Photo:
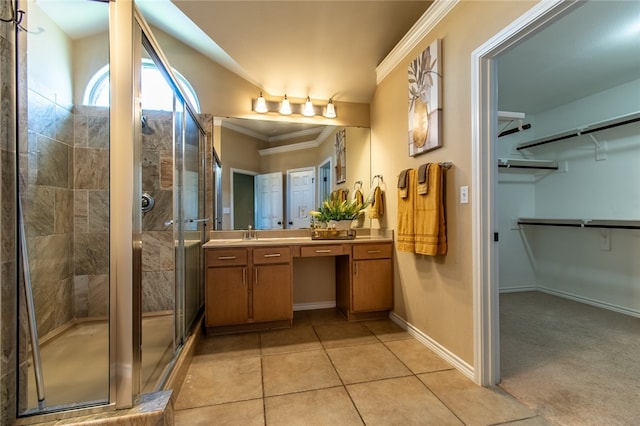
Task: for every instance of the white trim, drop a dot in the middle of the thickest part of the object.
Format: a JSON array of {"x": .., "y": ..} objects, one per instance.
[
  {"x": 429, "y": 19},
  {"x": 518, "y": 289},
  {"x": 484, "y": 118},
  {"x": 589, "y": 301},
  {"x": 288, "y": 148},
  {"x": 440, "y": 350},
  {"x": 314, "y": 305}
]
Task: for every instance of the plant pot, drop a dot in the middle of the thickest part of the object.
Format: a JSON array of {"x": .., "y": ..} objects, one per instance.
[{"x": 340, "y": 224}]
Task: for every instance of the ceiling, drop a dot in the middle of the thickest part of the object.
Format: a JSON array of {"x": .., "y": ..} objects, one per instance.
[{"x": 329, "y": 49}]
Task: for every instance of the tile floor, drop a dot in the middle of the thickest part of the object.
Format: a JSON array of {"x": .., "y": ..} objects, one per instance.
[{"x": 325, "y": 370}]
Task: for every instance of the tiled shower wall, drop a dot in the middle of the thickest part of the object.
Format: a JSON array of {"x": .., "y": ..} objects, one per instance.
[{"x": 8, "y": 265}]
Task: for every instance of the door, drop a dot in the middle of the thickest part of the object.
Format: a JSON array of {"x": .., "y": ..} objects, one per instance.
[
  {"x": 268, "y": 195},
  {"x": 300, "y": 197},
  {"x": 243, "y": 200}
]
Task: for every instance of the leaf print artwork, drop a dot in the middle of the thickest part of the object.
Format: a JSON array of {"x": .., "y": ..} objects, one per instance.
[{"x": 425, "y": 112}]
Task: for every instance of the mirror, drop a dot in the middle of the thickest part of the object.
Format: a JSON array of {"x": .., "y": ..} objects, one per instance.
[{"x": 274, "y": 173}]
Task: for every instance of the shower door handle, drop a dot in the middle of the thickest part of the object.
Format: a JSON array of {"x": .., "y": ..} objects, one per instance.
[{"x": 206, "y": 219}]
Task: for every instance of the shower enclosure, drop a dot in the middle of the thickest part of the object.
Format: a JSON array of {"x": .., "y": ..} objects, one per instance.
[{"x": 109, "y": 222}]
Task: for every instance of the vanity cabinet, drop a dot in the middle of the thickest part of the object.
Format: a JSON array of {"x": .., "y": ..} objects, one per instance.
[
  {"x": 248, "y": 285},
  {"x": 272, "y": 284},
  {"x": 369, "y": 291}
]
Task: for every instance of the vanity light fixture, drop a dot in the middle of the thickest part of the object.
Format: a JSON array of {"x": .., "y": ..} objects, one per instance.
[
  {"x": 330, "y": 112},
  {"x": 285, "y": 106},
  {"x": 308, "y": 108},
  {"x": 261, "y": 104}
]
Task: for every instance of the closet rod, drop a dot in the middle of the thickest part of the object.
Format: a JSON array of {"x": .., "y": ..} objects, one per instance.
[
  {"x": 582, "y": 223},
  {"x": 586, "y": 131},
  {"x": 514, "y": 130}
]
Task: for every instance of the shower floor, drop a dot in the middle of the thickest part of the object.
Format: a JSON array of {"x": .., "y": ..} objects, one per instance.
[{"x": 75, "y": 364}]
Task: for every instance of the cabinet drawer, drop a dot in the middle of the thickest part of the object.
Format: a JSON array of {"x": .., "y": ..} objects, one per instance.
[
  {"x": 372, "y": 251},
  {"x": 321, "y": 250},
  {"x": 226, "y": 257},
  {"x": 264, "y": 255}
]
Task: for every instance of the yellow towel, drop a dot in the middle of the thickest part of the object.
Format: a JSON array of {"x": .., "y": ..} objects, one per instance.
[
  {"x": 377, "y": 206},
  {"x": 406, "y": 233},
  {"x": 429, "y": 221}
]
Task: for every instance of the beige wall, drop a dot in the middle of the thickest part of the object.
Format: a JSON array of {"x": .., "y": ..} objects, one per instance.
[{"x": 435, "y": 294}]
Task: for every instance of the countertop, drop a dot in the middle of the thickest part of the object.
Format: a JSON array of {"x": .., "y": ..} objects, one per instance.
[{"x": 287, "y": 237}]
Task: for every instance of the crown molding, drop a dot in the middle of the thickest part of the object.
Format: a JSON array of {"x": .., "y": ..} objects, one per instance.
[
  {"x": 431, "y": 17},
  {"x": 288, "y": 148}
]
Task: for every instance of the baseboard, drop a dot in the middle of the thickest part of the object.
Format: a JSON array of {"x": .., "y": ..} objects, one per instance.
[
  {"x": 588, "y": 301},
  {"x": 518, "y": 289},
  {"x": 314, "y": 305},
  {"x": 459, "y": 364}
]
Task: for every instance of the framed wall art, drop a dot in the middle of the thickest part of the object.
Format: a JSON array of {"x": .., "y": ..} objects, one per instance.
[
  {"x": 341, "y": 156},
  {"x": 425, "y": 100}
]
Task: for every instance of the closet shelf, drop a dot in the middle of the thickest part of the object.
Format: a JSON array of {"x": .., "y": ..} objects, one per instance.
[
  {"x": 511, "y": 163},
  {"x": 581, "y": 223},
  {"x": 591, "y": 128}
]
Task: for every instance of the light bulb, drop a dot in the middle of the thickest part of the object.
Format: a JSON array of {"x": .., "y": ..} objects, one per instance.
[
  {"x": 331, "y": 111},
  {"x": 308, "y": 108},
  {"x": 261, "y": 104},
  {"x": 285, "y": 107}
]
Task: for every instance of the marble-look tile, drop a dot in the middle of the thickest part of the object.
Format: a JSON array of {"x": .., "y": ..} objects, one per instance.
[
  {"x": 237, "y": 379},
  {"x": 158, "y": 250},
  {"x": 166, "y": 170},
  {"x": 363, "y": 363},
  {"x": 98, "y": 218},
  {"x": 386, "y": 330},
  {"x": 157, "y": 291},
  {"x": 63, "y": 301},
  {"x": 8, "y": 235},
  {"x": 162, "y": 136},
  {"x": 91, "y": 253},
  {"x": 92, "y": 169},
  {"x": 49, "y": 257},
  {"x": 297, "y": 372},
  {"x": 150, "y": 170},
  {"x": 39, "y": 210},
  {"x": 400, "y": 401},
  {"x": 98, "y": 296},
  {"x": 295, "y": 339},
  {"x": 473, "y": 404},
  {"x": 245, "y": 413},
  {"x": 42, "y": 115},
  {"x": 229, "y": 346},
  {"x": 80, "y": 130},
  {"x": 531, "y": 421},
  {"x": 340, "y": 334},
  {"x": 64, "y": 125},
  {"x": 98, "y": 131},
  {"x": 81, "y": 211},
  {"x": 53, "y": 163},
  {"x": 417, "y": 356},
  {"x": 318, "y": 407},
  {"x": 81, "y": 295},
  {"x": 163, "y": 211},
  {"x": 63, "y": 211}
]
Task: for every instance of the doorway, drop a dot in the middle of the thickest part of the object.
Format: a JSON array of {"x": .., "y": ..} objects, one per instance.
[
  {"x": 492, "y": 216},
  {"x": 242, "y": 189},
  {"x": 301, "y": 196}
]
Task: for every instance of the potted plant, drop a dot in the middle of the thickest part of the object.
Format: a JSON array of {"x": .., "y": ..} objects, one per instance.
[{"x": 338, "y": 214}]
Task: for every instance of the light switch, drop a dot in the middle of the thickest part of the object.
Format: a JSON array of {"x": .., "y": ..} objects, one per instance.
[{"x": 464, "y": 195}]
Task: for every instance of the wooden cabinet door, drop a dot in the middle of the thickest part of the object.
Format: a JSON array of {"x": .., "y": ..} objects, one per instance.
[
  {"x": 227, "y": 296},
  {"x": 372, "y": 285},
  {"x": 272, "y": 294}
]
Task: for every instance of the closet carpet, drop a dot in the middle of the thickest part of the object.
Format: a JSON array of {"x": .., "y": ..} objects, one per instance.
[{"x": 573, "y": 363}]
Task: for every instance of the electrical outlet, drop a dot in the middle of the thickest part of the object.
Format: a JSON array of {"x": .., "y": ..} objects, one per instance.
[
  {"x": 464, "y": 195},
  {"x": 605, "y": 240}
]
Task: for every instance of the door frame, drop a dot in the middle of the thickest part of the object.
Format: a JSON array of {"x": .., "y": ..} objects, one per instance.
[
  {"x": 484, "y": 126},
  {"x": 232, "y": 171}
]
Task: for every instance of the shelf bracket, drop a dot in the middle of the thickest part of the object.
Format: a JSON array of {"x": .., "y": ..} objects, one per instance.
[{"x": 601, "y": 148}]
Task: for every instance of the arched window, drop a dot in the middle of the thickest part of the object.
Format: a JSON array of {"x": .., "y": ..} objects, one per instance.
[{"x": 156, "y": 93}]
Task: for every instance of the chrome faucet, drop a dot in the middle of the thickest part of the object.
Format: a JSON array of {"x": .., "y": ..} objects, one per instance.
[{"x": 249, "y": 234}]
